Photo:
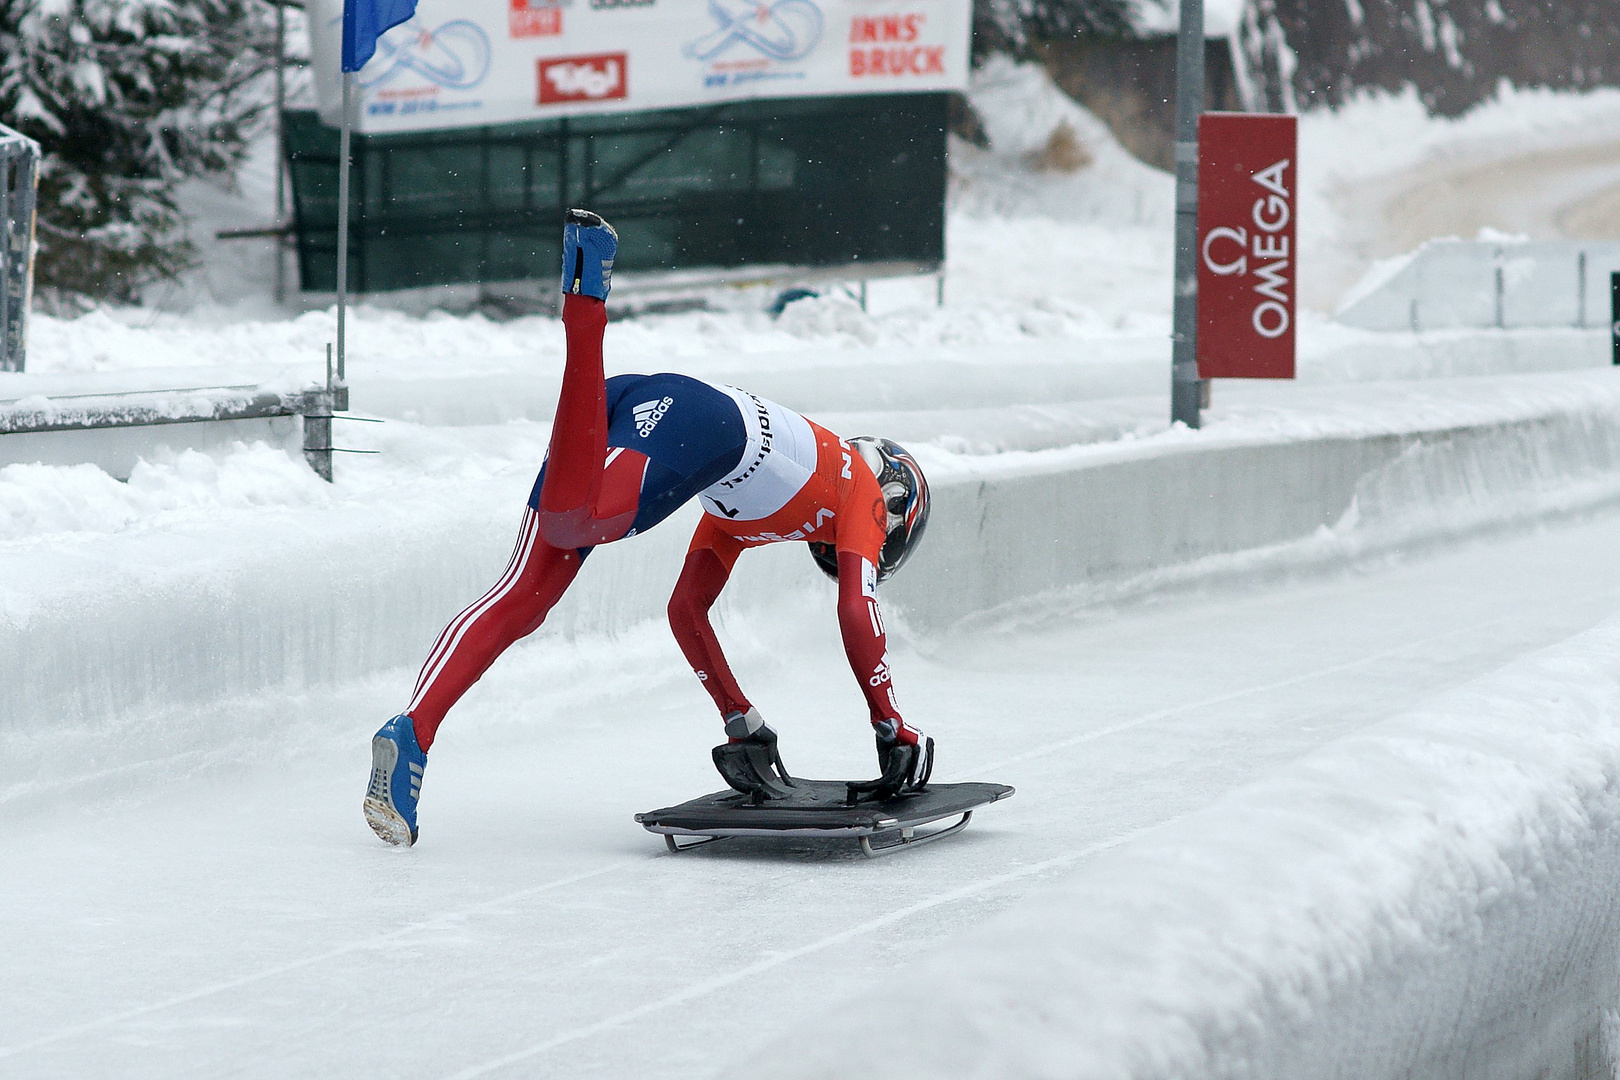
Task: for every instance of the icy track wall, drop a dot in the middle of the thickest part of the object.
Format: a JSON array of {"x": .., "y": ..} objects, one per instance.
[
  {"x": 1118, "y": 519},
  {"x": 112, "y": 652},
  {"x": 1437, "y": 896}
]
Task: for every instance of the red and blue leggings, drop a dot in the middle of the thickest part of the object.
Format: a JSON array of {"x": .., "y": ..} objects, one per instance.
[{"x": 591, "y": 490}]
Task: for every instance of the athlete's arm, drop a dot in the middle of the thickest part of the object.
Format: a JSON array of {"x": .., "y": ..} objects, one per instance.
[
  {"x": 865, "y": 641},
  {"x": 708, "y": 568}
]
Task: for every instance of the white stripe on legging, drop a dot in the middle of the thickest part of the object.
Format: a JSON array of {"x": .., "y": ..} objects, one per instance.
[{"x": 451, "y": 636}]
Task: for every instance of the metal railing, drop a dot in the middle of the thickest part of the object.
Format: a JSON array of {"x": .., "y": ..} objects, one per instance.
[{"x": 316, "y": 406}]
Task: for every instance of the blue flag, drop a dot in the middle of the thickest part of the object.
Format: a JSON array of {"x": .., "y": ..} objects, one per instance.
[{"x": 364, "y": 21}]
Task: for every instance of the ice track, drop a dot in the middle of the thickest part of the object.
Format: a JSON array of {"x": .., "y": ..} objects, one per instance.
[{"x": 242, "y": 921}]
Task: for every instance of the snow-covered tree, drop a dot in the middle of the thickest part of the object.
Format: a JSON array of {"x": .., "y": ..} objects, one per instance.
[
  {"x": 1010, "y": 25},
  {"x": 127, "y": 98}
]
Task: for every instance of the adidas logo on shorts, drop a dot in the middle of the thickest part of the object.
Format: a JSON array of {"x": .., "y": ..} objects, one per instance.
[{"x": 648, "y": 413}]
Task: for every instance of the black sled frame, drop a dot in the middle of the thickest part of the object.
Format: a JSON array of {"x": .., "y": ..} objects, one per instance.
[{"x": 825, "y": 809}]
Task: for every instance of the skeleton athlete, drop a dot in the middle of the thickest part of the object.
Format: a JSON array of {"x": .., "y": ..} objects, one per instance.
[{"x": 625, "y": 453}]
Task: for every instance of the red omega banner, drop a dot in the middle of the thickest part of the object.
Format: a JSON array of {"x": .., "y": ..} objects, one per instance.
[{"x": 1247, "y": 253}]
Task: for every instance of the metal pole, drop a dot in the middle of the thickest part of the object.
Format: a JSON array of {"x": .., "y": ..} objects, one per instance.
[
  {"x": 317, "y": 412},
  {"x": 1185, "y": 390},
  {"x": 19, "y": 168},
  {"x": 281, "y": 137},
  {"x": 1501, "y": 288},
  {"x": 11, "y": 163},
  {"x": 1614, "y": 316},
  {"x": 1580, "y": 291},
  {"x": 343, "y": 220}
]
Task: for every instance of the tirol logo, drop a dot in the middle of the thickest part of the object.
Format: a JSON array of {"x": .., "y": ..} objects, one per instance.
[
  {"x": 648, "y": 413},
  {"x": 603, "y": 77}
]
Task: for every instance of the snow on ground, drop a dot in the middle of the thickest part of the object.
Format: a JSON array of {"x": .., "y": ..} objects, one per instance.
[
  {"x": 206, "y": 917},
  {"x": 1388, "y": 905}
]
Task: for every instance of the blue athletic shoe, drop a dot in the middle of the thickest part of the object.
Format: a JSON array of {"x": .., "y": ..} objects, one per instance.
[
  {"x": 396, "y": 782},
  {"x": 589, "y": 244}
]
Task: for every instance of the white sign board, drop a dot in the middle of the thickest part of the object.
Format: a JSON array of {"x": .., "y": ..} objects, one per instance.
[{"x": 462, "y": 63}]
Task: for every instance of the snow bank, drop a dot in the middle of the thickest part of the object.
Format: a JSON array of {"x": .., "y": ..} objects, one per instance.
[
  {"x": 1482, "y": 283},
  {"x": 1377, "y": 133},
  {"x": 1361, "y": 164},
  {"x": 1438, "y": 896},
  {"x": 126, "y": 647},
  {"x": 1021, "y": 108},
  {"x": 1044, "y": 358},
  {"x": 38, "y": 500},
  {"x": 1033, "y": 368}
]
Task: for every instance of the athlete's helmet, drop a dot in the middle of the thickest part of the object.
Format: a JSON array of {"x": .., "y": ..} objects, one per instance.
[{"x": 905, "y": 497}]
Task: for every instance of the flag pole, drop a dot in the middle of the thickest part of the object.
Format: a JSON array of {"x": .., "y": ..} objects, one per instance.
[
  {"x": 343, "y": 221},
  {"x": 363, "y": 21}
]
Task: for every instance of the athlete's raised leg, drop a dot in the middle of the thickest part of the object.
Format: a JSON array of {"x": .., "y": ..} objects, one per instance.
[{"x": 580, "y": 504}]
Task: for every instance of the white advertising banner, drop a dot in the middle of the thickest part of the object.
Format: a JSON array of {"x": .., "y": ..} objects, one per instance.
[{"x": 462, "y": 63}]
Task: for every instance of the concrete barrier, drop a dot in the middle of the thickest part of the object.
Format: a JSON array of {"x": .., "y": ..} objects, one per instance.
[{"x": 1124, "y": 521}]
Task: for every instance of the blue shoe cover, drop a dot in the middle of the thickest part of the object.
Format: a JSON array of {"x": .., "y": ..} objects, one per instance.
[
  {"x": 589, "y": 245},
  {"x": 396, "y": 782}
]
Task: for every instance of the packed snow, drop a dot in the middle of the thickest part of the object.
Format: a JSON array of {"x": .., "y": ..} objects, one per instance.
[
  {"x": 542, "y": 933},
  {"x": 1263, "y": 779},
  {"x": 1380, "y": 907}
]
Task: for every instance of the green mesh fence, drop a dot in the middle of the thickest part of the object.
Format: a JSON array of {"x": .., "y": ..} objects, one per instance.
[{"x": 813, "y": 182}]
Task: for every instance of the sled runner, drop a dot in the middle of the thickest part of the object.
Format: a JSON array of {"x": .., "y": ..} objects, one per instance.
[{"x": 825, "y": 808}]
